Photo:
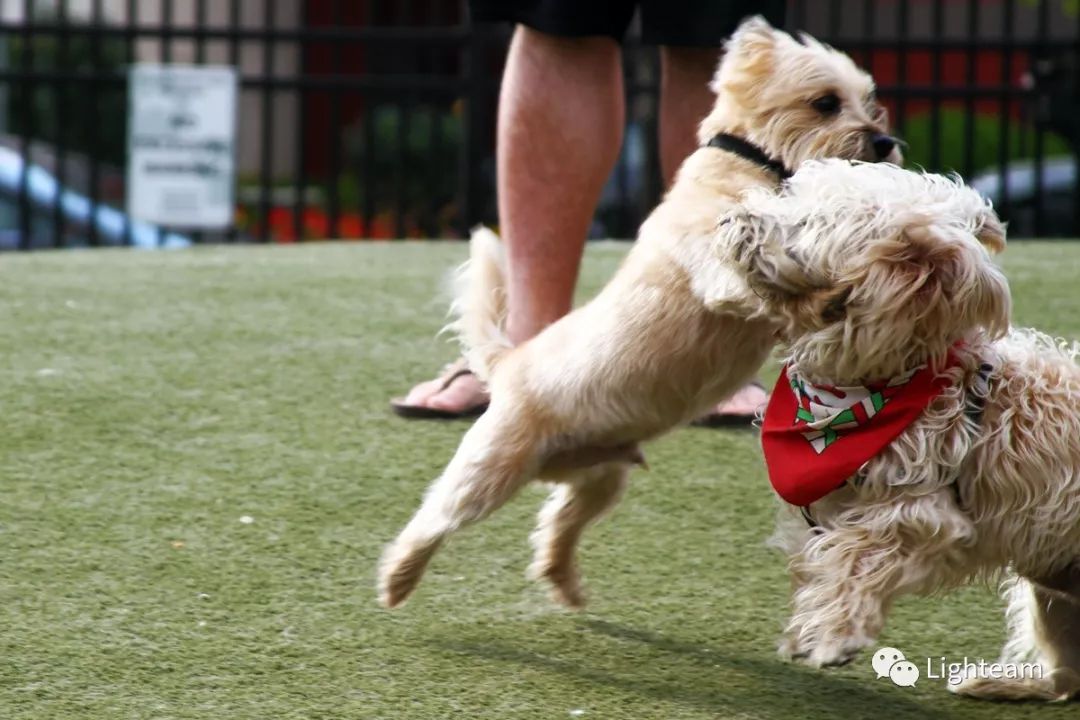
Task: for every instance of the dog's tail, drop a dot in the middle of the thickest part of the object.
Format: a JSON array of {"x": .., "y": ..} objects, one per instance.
[{"x": 479, "y": 306}]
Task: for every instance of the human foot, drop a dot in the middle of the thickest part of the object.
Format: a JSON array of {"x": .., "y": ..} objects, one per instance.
[
  {"x": 456, "y": 393},
  {"x": 741, "y": 409}
]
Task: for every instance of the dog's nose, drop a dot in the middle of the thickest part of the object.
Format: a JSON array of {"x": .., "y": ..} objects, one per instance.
[{"x": 883, "y": 145}]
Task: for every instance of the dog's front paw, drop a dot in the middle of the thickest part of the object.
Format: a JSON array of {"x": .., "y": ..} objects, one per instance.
[
  {"x": 819, "y": 653},
  {"x": 792, "y": 648},
  {"x": 987, "y": 688},
  {"x": 402, "y": 565},
  {"x": 564, "y": 582},
  {"x": 835, "y": 652}
]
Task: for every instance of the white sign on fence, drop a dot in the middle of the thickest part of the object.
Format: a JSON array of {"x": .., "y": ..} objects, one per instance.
[{"x": 182, "y": 145}]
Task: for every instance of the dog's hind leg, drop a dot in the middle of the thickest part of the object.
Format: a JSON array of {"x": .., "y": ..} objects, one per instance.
[
  {"x": 1058, "y": 630},
  {"x": 496, "y": 457},
  {"x": 1044, "y": 643},
  {"x": 573, "y": 504}
]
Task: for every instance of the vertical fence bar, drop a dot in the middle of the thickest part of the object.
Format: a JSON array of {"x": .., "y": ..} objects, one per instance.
[
  {"x": 429, "y": 220},
  {"x": 333, "y": 200},
  {"x": 130, "y": 35},
  {"x": 626, "y": 213},
  {"x": 60, "y": 89},
  {"x": 1005, "y": 103},
  {"x": 130, "y": 29},
  {"x": 94, "y": 88},
  {"x": 165, "y": 55},
  {"x": 654, "y": 184},
  {"x": 234, "y": 60},
  {"x": 936, "y": 32},
  {"x": 166, "y": 31},
  {"x": 200, "y": 59},
  {"x": 936, "y": 37},
  {"x": 969, "y": 97},
  {"x": 368, "y": 185},
  {"x": 1040, "y": 102},
  {"x": 200, "y": 32},
  {"x": 798, "y": 16},
  {"x": 266, "y": 174},
  {"x": 234, "y": 32},
  {"x": 834, "y": 22},
  {"x": 26, "y": 112},
  {"x": 471, "y": 124},
  {"x": 868, "y": 34},
  {"x": 1075, "y": 142},
  {"x": 623, "y": 213},
  {"x": 405, "y": 109},
  {"x": 299, "y": 201},
  {"x": 401, "y": 167},
  {"x": 901, "y": 68}
]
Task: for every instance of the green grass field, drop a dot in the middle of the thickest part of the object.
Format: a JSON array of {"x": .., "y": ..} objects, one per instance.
[{"x": 150, "y": 401}]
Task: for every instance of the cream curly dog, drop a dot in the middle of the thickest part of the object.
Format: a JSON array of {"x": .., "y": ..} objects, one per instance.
[
  {"x": 874, "y": 272},
  {"x": 664, "y": 341}
]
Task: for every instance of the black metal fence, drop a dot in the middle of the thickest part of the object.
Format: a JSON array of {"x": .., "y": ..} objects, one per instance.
[{"x": 375, "y": 119}]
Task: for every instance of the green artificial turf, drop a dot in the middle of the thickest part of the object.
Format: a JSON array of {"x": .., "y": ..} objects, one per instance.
[{"x": 149, "y": 401}]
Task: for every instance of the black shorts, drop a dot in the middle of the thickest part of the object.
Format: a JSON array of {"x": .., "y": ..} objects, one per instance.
[{"x": 679, "y": 23}]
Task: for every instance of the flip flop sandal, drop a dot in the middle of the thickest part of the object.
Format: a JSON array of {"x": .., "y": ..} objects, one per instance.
[
  {"x": 422, "y": 412},
  {"x": 728, "y": 420}
]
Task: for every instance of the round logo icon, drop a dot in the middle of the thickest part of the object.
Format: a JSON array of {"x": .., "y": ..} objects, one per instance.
[
  {"x": 884, "y": 659},
  {"x": 891, "y": 663},
  {"x": 904, "y": 673}
]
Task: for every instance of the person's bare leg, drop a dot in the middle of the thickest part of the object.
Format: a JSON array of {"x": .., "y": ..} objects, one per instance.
[
  {"x": 560, "y": 130},
  {"x": 685, "y": 98},
  {"x": 561, "y": 120}
]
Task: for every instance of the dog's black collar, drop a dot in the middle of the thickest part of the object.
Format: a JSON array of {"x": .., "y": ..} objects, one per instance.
[{"x": 749, "y": 151}]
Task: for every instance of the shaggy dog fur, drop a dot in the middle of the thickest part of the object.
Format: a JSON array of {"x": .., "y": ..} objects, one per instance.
[
  {"x": 663, "y": 342},
  {"x": 873, "y": 270}
]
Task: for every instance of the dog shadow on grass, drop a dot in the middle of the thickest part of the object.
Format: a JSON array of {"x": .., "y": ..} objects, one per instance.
[{"x": 711, "y": 679}]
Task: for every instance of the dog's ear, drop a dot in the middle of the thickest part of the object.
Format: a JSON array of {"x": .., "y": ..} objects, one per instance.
[
  {"x": 991, "y": 231},
  {"x": 748, "y": 53},
  {"x": 754, "y": 34},
  {"x": 991, "y": 301},
  {"x": 944, "y": 275},
  {"x": 995, "y": 306}
]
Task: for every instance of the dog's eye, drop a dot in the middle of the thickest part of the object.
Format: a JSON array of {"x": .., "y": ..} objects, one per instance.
[{"x": 826, "y": 104}]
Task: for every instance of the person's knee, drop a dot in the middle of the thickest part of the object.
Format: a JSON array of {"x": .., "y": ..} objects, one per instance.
[
  {"x": 579, "y": 49},
  {"x": 696, "y": 64}
]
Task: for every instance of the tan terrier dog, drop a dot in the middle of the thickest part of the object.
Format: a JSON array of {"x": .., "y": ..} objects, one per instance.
[
  {"x": 928, "y": 443},
  {"x": 661, "y": 343}
]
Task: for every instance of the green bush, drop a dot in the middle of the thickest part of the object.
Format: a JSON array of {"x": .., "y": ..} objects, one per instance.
[
  {"x": 427, "y": 176},
  {"x": 986, "y": 138}
]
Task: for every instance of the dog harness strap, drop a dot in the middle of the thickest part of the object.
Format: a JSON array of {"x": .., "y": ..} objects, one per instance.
[
  {"x": 816, "y": 437},
  {"x": 749, "y": 151},
  {"x": 976, "y": 401},
  {"x": 974, "y": 406}
]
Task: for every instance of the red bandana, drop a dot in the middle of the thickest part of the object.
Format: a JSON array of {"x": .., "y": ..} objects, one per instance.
[{"x": 816, "y": 437}]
